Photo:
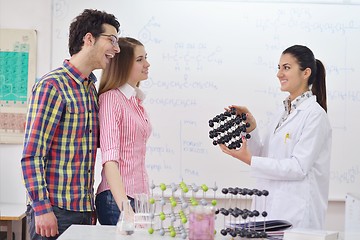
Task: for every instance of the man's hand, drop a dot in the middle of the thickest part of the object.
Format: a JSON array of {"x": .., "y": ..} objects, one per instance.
[{"x": 46, "y": 225}]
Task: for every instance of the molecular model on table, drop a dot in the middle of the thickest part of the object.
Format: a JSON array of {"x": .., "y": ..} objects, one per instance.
[
  {"x": 228, "y": 128},
  {"x": 172, "y": 217},
  {"x": 242, "y": 221}
]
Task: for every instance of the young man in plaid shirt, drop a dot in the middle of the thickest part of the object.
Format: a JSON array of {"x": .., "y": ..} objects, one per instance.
[{"x": 61, "y": 134}]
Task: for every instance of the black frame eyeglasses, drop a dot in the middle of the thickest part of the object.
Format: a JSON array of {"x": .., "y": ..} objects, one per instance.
[{"x": 113, "y": 38}]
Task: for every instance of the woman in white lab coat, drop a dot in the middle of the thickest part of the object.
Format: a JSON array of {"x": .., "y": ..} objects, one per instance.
[{"x": 293, "y": 160}]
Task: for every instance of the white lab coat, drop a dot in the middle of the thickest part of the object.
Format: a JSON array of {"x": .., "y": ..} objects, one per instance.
[{"x": 293, "y": 164}]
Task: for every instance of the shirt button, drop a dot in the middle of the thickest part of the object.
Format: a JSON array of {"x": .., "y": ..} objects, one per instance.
[
  {"x": 90, "y": 131},
  {"x": 90, "y": 151},
  {"x": 89, "y": 171}
]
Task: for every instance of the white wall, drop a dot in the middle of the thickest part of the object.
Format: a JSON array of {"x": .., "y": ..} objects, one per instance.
[{"x": 21, "y": 14}]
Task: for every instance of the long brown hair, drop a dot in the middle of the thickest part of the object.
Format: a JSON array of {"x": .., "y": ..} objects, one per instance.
[{"x": 117, "y": 71}]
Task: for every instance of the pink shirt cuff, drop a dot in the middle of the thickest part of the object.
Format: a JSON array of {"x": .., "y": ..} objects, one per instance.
[{"x": 110, "y": 155}]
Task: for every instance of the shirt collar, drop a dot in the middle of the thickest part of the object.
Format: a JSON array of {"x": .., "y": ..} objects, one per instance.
[
  {"x": 291, "y": 105},
  {"x": 130, "y": 91},
  {"x": 77, "y": 75}
]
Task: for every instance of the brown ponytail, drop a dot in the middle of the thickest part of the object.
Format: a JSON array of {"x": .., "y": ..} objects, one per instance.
[{"x": 318, "y": 86}]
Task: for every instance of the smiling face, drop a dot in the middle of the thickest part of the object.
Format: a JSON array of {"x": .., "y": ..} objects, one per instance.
[
  {"x": 292, "y": 78},
  {"x": 105, "y": 47},
  {"x": 140, "y": 67}
]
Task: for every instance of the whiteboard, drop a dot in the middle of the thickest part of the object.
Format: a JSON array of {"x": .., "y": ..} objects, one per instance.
[{"x": 206, "y": 55}]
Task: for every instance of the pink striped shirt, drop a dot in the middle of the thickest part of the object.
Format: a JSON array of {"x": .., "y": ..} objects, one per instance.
[{"x": 124, "y": 131}]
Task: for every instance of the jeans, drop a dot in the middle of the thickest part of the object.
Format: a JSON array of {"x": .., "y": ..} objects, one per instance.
[
  {"x": 106, "y": 208},
  {"x": 65, "y": 219}
]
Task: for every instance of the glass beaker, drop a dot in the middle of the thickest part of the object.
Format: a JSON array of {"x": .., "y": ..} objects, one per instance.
[
  {"x": 142, "y": 211},
  {"x": 125, "y": 224},
  {"x": 201, "y": 223}
]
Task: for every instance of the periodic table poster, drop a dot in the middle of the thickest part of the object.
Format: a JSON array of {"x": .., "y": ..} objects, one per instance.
[{"x": 17, "y": 76}]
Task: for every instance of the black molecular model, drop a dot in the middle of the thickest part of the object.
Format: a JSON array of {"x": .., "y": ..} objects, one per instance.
[
  {"x": 243, "y": 222},
  {"x": 228, "y": 128}
]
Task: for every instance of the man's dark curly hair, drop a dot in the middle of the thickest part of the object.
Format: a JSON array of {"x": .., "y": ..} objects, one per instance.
[{"x": 89, "y": 21}]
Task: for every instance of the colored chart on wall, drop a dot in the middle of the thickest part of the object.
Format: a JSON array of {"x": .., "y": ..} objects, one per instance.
[{"x": 17, "y": 75}]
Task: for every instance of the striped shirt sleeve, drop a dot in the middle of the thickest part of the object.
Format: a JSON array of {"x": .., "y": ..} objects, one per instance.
[{"x": 109, "y": 129}]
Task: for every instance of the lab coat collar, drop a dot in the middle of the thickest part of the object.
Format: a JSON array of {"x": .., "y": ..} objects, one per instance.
[{"x": 304, "y": 105}]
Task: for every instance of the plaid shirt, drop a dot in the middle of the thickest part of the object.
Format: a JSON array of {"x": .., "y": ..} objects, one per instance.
[{"x": 61, "y": 140}]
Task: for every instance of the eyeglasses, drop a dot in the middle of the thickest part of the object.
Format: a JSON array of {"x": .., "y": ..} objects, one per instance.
[{"x": 113, "y": 38}]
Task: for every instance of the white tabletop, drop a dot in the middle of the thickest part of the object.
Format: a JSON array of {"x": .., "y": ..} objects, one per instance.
[
  {"x": 12, "y": 211},
  {"x": 96, "y": 232}
]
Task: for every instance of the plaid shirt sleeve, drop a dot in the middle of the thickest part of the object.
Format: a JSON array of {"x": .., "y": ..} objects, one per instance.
[{"x": 44, "y": 113}]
